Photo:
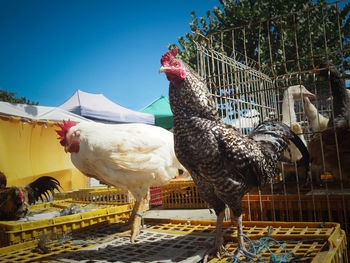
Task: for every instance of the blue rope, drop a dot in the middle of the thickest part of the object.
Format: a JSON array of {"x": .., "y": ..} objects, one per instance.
[
  {"x": 248, "y": 254},
  {"x": 274, "y": 258},
  {"x": 257, "y": 250},
  {"x": 142, "y": 220},
  {"x": 251, "y": 243}
]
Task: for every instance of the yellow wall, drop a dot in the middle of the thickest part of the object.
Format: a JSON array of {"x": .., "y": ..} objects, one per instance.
[{"x": 30, "y": 150}]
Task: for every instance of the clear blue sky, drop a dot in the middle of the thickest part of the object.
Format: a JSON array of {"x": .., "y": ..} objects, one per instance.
[{"x": 51, "y": 48}]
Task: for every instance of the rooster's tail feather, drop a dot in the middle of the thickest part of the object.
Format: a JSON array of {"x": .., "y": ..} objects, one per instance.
[
  {"x": 274, "y": 136},
  {"x": 305, "y": 160},
  {"x": 42, "y": 186}
]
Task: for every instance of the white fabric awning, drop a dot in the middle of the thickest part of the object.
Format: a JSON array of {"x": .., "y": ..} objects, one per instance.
[
  {"x": 38, "y": 112},
  {"x": 100, "y": 108}
]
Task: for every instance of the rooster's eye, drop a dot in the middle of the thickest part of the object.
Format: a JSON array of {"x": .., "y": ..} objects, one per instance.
[{"x": 176, "y": 64}]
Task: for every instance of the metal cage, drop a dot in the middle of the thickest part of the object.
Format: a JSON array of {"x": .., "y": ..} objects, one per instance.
[{"x": 248, "y": 69}]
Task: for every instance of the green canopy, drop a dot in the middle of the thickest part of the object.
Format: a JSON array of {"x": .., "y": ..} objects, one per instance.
[{"x": 160, "y": 108}]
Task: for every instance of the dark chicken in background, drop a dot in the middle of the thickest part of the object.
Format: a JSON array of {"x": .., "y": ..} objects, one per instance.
[
  {"x": 324, "y": 147},
  {"x": 224, "y": 164},
  {"x": 15, "y": 201},
  {"x": 3, "y": 180},
  {"x": 341, "y": 104}
]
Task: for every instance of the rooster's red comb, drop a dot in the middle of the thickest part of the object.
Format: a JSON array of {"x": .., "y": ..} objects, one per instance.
[
  {"x": 21, "y": 196},
  {"x": 64, "y": 129},
  {"x": 169, "y": 56}
]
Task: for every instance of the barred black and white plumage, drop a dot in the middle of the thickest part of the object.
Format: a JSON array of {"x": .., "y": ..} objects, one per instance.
[{"x": 224, "y": 164}]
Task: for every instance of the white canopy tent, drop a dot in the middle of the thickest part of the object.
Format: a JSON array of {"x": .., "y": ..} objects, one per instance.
[
  {"x": 38, "y": 112},
  {"x": 98, "y": 107}
]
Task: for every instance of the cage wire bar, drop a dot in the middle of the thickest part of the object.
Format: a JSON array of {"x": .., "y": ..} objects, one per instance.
[
  {"x": 249, "y": 70},
  {"x": 236, "y": 88}
]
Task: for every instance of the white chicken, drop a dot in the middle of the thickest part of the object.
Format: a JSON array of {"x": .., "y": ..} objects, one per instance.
[
  {"x": 132, "y": 156},
  {"x": 247, "y": 122},
  {"x": 289, "y": 117},
  {"x": 317, "y": 121}
]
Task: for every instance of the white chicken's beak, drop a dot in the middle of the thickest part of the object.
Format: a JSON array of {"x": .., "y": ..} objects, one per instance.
[{"x": 308, "y": 94}]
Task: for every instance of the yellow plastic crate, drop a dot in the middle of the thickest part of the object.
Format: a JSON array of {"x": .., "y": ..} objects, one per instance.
[
  {"x": 305, "y": 208},
  {"x": 98, "y": 194},
  {"x": 181, "y": 193},
  {"x": 105, "y": 195},
  {"x": 70, "y": 194},
  {"x": 313, "y": 242},
  {"x": 13, "y": 232}
]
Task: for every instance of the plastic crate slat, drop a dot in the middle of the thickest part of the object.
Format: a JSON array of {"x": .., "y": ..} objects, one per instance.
[
  {"x": 103, "y": 243},
  {"x": 12, "y": 232}
]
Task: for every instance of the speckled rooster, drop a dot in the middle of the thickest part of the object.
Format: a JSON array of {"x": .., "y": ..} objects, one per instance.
[{"x": 223, "y": 164}]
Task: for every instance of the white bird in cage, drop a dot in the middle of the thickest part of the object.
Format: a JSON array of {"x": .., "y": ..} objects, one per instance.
[
  {"x": 317, "y": 121},
  {"x": 289, "y": 116},
  {"x": 248, "y": 121}
]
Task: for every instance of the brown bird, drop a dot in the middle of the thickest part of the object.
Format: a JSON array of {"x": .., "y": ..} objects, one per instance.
[
  {"x": 15, "y": 201},
  {"x": 224, "y": 164},
  {"x": 3, "y": 180}
]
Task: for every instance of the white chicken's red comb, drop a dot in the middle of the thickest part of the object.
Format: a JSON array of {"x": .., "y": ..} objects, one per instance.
[
  {"x": 64, "y": 129},
  {"x": 169, "y": 56}
]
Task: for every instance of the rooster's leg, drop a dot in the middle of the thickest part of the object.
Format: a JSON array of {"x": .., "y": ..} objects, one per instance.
[
  {"x": 217, "y": 247},
  {"x": 131, "y": 218},
  {"x": 241, "y": 246},
  {"x": 136, "y": 223}
]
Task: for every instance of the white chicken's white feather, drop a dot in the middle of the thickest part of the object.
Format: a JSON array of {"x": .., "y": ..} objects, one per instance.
[
  {"x": 317, "y": 120},
  {"x": 131, "y": 156},
  {"x": 289, "y": 117}
]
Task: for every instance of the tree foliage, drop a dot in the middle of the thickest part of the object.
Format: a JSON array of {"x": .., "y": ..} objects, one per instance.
[
  {"x": 286, "y": 36},
  {"x": 8, "y": 96}
]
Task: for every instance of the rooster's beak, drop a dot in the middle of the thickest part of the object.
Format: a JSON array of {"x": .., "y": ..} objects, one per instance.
[
  {"x": 163, "y": 69},
  {"x": 66, "y": 148}
]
